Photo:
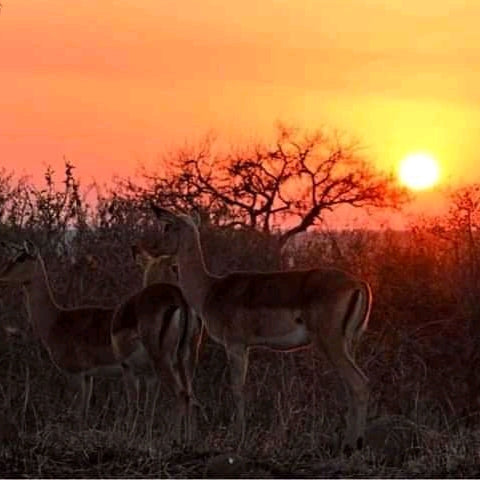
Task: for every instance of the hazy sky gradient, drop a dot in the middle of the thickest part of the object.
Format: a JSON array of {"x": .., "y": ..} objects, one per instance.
[{"x": 112, "y": 83}]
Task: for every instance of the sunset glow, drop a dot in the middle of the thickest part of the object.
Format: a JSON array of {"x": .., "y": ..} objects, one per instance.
[
  {"x": 419, "y": 171},
  {"x": 110, "y": 85}
]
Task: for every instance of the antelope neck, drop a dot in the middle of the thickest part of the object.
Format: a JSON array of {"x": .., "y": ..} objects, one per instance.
[
  {"x": 43, "y": 308},
  {"x": 195, "y": 280}
]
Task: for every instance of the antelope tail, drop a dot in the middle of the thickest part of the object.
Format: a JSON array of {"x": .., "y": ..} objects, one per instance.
[
  {"x": 185, "y": 322},
  {"x": 358, "y": 313}
]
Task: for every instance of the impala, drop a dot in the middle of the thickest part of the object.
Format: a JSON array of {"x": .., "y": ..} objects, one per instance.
[
  {"x": 286, "y": 311},
  {"x": 163, "y": 268},
  {"x": 77, "y": 339},
  {"x": 157, "y": 322}
]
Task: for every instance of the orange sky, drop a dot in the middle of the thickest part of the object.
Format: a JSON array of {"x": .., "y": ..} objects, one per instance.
[{"x": 111, "y": 83}]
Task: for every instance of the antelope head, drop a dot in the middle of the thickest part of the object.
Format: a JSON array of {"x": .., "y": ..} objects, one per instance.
[
  {"x": 22, "y": 266},
  {"x": 175, "y": 227},
  {"x": 162, "y": 268}
]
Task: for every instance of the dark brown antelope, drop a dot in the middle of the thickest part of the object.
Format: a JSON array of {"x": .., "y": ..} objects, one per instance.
[
  {"x": 163, "y": 268},
  {"x": 157, "y": 321},
  {"x": 77, "y": 339},
  {"x": 286, "y": 311}
]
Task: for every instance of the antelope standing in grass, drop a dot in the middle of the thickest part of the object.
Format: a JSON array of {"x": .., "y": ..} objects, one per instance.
[
  {"x": 286, "y": 311},
  {"x": 158, "y": 321},
  {"x": 163, "y": 268},
  {"x": 77, "y": 339},
  {"x": 146, "y": 328}
]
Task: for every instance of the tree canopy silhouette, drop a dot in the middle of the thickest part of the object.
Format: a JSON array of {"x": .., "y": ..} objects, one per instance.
[{"x": 286, "y": 186}]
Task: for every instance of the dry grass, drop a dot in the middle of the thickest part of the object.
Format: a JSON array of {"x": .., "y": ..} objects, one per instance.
[
  {"x": 294, "y": 428},
  {"x": 419, "y": 354}
]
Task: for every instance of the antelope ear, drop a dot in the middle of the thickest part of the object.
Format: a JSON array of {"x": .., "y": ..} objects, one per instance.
[
  {"x": 163, "y": 214},
  {"x": 140, "y": 255},
  {"x": 30, "y": 247}
]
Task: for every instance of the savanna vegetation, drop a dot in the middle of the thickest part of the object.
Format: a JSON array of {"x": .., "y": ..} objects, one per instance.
[{"x": 259, "y": 205}]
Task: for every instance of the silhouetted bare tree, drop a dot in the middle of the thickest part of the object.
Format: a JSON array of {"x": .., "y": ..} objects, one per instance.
[{"x": 297, "y": 179}]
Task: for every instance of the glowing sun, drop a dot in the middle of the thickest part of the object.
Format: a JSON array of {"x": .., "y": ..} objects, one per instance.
[{"x": 419, "y": 171}]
